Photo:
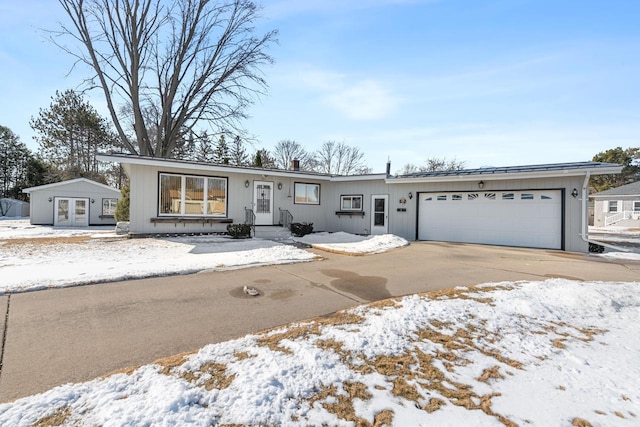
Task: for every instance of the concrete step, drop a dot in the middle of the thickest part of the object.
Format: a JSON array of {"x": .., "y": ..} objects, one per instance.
[{"x": 274, "y": 232}]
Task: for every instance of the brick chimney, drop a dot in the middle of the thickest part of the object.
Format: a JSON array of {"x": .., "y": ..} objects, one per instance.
[{"x": 295, "y": 165}]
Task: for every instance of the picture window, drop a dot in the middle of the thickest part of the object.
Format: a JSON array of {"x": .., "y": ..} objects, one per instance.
[{"x": 306, "y": 194}]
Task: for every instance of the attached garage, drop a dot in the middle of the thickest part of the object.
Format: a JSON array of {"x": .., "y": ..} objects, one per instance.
[{"x": 528, "y": 218}]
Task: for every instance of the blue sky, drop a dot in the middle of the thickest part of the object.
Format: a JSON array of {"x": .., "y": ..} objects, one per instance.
[{"x": 489, "y": 82}]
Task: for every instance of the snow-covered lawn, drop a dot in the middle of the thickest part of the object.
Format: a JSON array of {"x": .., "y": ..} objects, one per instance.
[
  {"x": 553, "y": 353},
  {"x": 39, "y": 257},
  {"x": 623, "y": 237}
]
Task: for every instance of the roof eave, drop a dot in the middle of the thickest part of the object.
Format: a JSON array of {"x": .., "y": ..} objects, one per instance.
[{"x": 508, "y": 175}]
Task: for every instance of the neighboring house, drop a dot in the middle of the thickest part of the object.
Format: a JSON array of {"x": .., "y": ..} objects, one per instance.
[
  {"x": 618, "y": 206},
  {"x": 13, "y": 208},
  {"x": 75, "y": 203},
  {"x": 542, "y": 206}
]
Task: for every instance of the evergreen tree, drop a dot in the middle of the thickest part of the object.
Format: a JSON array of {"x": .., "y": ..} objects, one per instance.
[
  {"x": 237, "y": 153},
  {"x": 629, "y": 157},
  {"x": 70, "y": 134},
  {"x": 221, "y": 153},
  {"x": 263, "y": 159},
  {"x": 18, "y": 167},
  {"x": 122, "y": 208}
]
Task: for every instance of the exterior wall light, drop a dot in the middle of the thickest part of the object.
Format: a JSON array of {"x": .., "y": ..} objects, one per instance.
[
  {"x": 279, "y": 186},
  {"x": 50, "y": 199},
  {"x": 481, "y": 185},
  {"x": 574, "y": 193},
  {"x": 410, "y": 195},
  {"x": 246, "y": 184},
  {"x": 93, "y": 201}
]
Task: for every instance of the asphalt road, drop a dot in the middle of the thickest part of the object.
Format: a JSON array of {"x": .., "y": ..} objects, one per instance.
[{"x": 75, "y": 334}]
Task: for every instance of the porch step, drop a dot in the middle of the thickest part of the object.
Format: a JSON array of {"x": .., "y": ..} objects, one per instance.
[{"x": 272, "y": 232}]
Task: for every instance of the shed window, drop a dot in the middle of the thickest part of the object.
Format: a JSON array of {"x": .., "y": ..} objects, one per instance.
[
  {"x": 351, "y": 203},
  {"x": 306, "y": 194},
  {"x": 192, "y": 195},
  {"x": 109, "y": 207}
]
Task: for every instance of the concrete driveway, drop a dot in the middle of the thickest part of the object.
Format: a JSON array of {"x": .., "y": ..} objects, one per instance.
[{"x": 76, "y": 334}]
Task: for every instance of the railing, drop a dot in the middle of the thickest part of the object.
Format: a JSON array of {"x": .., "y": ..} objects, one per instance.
[
  {"x": 612, "y": 219},
  {"x": 250, "y": 218},
  {"x": 286, "y": 218}
]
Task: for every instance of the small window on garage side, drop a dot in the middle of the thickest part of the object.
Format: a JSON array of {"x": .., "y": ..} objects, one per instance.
[
  {"x": 613, "y": 206},
  {"x": 351, "y": 203},
  {"x": 428, "y": 199},
  {"x": 490, "y": 196},
  {"x": 306, "y": 194},
  {"x": 507, "y": 196},
  {"x": 526, "y": 196},
  {"x": 543, "y": 197},
  {"x": 109, "y": 207},
  {"x": 440, "y": 198},
  {"x": 456, "y": 197},
  {"x": 472, "y": 196}
]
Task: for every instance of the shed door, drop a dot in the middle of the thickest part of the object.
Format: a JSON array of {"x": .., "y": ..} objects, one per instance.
[
  {"x": 509, "y": 218},
  {"x": 71, "y": 212}
]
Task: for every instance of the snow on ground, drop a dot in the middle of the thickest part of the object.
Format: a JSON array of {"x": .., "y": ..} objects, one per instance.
[
  {"x": 623, "y": 237},
  {"x": 38, "y": 257},
  {"x": 557, "y": 352},
  {"x": 352, "y": 244}
]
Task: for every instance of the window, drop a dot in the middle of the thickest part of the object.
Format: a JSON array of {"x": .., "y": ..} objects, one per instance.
[
  {"x": 456, "y": 197},
  {"x": 472, "y": 196},
  {"x": 507, "y": 196},
  {"x": 441, "y": 198},
  {"x": 526, "y": 196},
  {"x": 636, "y": 206},
  {"x": 306, "y": 194},
  {"x": 192, "y": 195},
  {"x": 351, "y": 203},
  {"x": 109, "y": 207},
  {"x": 613, "y": 206},
  {"x": 490, "y": 196}
]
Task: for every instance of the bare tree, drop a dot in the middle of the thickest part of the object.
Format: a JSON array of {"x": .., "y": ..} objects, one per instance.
[
  {"x": 340, "y": 159},
  {"x": 433, "y": 164},
  {"x": 287, "y": 150},
  {"x": 170, "y": 63}
]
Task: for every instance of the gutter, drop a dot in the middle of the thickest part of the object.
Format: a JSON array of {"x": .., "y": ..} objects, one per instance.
[{"x": 584, "y": 234}]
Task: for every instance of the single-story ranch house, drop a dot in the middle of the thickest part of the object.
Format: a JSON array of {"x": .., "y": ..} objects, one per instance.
[
  {"x": 618, "y": 206},
  {"x": 75, "y": 203},
  {"x": 542, "y": 206}
]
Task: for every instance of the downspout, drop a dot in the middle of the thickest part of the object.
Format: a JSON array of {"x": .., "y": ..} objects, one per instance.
[{"x": 584, "y": 229}]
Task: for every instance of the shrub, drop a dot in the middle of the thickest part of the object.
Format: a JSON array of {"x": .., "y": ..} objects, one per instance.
[
  {"x": 300, "y": 229},
  {"x": 595, "y": 248},
  {"x": 122, "y": 208},
  {"x": 239, "y": 231}
]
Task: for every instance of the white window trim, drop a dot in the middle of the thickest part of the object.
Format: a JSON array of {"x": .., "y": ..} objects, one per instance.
[
  {"x": 114, "y": 207},
  {"x": 183, "y": 186},
  {"x": 351, "y": 196}
]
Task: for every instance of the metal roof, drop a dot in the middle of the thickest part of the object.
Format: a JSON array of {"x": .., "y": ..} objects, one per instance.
[
  {"x": 511, "y": 169},
  {"x": 632, "y": 189}
]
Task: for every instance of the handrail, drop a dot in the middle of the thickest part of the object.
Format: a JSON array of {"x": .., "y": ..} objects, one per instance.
[
  {"x": 285, "y": 218},
  {"x": 612, "y": 219},
  {"x": 250, "y": 218}
]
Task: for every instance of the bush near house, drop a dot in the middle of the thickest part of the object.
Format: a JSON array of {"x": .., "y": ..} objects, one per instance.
[
  {"x": 122, "y": 208},
  {"x": 239, "y": 231},
  {"x": 300, "y": 229}
]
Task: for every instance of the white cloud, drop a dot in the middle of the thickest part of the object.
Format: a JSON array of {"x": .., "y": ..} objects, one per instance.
[{"x": 364, "y": 100}]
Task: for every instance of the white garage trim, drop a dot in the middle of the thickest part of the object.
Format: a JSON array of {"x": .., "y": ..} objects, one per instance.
[{"x": 526, "y": 218}]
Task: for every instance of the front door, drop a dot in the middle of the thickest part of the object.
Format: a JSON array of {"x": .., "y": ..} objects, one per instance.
[
  {"x": 379, "y": 214},
  {"x": 71, "y": 212},
  {"x": 263, "y": 202}
]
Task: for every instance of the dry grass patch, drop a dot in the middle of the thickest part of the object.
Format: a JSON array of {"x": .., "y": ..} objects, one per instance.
[
  {"x": 342, "y": 405},
  {"x": 304, "y": 330},
  {"x": 37, "y": 241},
  {"x": 383, "y": 418},
  {"x": 242, "y": 355},
  {"x": 210, "y": 375},
  {"x": 580, "y": 422},
  {"x": 56, "y": 419},
  {"x": 490, "y": 373},
  {"x": 169, "y": 363},
  {"x": 403, "y": 389}
]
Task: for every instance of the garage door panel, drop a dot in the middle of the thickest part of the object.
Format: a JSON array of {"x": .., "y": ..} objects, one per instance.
[{"x": 512, "y": 218}]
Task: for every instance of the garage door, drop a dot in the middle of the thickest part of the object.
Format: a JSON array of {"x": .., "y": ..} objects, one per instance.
[{"x": 510, "y": 218}]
